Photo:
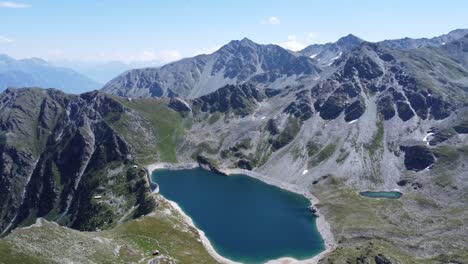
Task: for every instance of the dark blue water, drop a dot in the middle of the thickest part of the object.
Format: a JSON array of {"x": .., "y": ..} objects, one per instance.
[
  {"x": 245, "y": 219},
  {"x": 388, "y": 195}
]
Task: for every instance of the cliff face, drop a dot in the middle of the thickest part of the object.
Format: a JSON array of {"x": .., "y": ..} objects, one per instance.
[{"x": 59, "y": 152}]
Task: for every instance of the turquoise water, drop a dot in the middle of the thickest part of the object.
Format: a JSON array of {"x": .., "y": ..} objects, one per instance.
[
  {"x": 245, "y": 219},
  {"x": 389, "y": 195}
]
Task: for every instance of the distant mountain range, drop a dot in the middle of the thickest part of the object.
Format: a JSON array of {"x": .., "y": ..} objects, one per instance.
[
  {"x": 245, "y": 61},
  {"x": 37, "y": 72},
  {"x": 105, "y": 71}
]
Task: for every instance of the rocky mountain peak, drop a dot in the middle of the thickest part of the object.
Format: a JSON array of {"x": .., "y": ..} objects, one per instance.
[
  {"x": 236, "y": 45},
  {"x": 237, "y": 62},
  {"x": 349, "y": 41}
]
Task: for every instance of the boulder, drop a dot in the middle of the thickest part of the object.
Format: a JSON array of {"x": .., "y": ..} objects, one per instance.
[
  {"x": 355, "y": 110},
  {"x": 179, "y": 105},
  {"x": 418, "y": 158},
  {"x": 385, "y": 107},
  {"x": 404, "y": 111}
]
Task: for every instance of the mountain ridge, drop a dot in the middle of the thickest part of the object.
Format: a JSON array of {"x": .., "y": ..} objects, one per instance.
[
  {"x": 38, "y": 72},
  {"x": 242, "y": 61}
]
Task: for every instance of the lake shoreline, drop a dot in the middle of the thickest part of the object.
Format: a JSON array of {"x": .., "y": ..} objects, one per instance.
[{"x": 322, "y": 225}]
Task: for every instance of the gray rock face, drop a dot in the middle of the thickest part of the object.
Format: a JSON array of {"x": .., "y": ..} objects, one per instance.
[
  {"x": 235, "y": 63},
  {"x": 239, "y": 99},
  {"x": 418, "y": 158},
  {"x": 265, "y": 66},
  {"x": 458, "y": 49},
  {"x": 179, "y": 105},
  {"x": 56, "y": 154},
  {"x": 403, "y": 85},
  {"x": 326, "y": 54}
]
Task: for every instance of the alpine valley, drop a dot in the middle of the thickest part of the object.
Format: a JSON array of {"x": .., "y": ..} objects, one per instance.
[{"x": 329, "y": 121}]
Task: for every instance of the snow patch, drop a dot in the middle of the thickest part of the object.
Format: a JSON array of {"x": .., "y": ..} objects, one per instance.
[
  {"x": 352, "y": 121},
  {"x": 313, "y": 55},
  {"x": 426, "y": 138},
  {"x": 339, "y": 55},
  {"x": 304, "y": 172},
  {"x": 263, "y": 117}
]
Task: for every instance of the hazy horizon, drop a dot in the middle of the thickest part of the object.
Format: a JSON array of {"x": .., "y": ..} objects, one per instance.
[{"x": 106, "y": 31}]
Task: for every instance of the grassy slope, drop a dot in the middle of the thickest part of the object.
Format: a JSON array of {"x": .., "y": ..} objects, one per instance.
[
  {"x": 365, "y": 227},
  {"x": 132, "y": 241},
  {"x": 168, "y": 125}
]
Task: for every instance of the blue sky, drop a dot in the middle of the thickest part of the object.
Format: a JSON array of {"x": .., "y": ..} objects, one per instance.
[{"x": 134, "y": 30}]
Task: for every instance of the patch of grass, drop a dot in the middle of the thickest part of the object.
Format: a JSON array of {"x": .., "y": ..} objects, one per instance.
[
  {"x": 262, "y": 154},
  {"x": 168, "y": 125},
  {"x": 205, "y": 147},
  {"x": 343, "y": 156},
  {"x": 165, "y": 232},
  {"x": 312, "y": 148},
  {"x": 323, "y": 155},
  {"x": 366, "y": 253},
  {"x": 377, "y": 142},
  {"x": 214, "y": 117},
  {"x": 365, "y": 227},
  {"x": 131, "y": 242},
  {"x": 292, "y": 128},
  {"x": 296, "y": 152}
]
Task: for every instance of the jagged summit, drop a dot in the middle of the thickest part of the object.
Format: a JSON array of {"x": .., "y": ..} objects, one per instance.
[
  {"x": 328, "y": 53},
  {"x": 235, "y": 63},
  {"x": 349, "y": 40}
]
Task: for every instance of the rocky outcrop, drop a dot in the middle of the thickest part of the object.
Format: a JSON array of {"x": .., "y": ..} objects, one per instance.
[
  {"x": 461, "y": 128},
  {"x": 238, "y": 99},
  {"x": 179, "y": 105},
  {"x": 418, "y": 158},
  {"x": 355, "y": 110},
  {"x": 385, "y": 106},
  {"x": 326, "y": 54},
  {"x": 58, "y": 151},
  {"x": 302, "y": 106}
]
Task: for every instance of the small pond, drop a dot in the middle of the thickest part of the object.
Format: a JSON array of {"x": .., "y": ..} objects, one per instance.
[{"x": 382, "y": 194}]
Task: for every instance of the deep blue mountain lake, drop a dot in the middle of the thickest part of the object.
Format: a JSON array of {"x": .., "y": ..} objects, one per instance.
[{"x": 245, "y": 219}]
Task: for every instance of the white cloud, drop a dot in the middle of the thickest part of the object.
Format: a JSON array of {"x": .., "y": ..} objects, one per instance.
[
  {"x": 7, "y": 4},
  {"x": 4, "y": 39},
  {"x": 205, "y": 51},
  {"x": 311, "y": 36},
  {"x": 162, "y": 56},
  {"x": 271, "y": 21},
  {"x": 293, "y": 44}
]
